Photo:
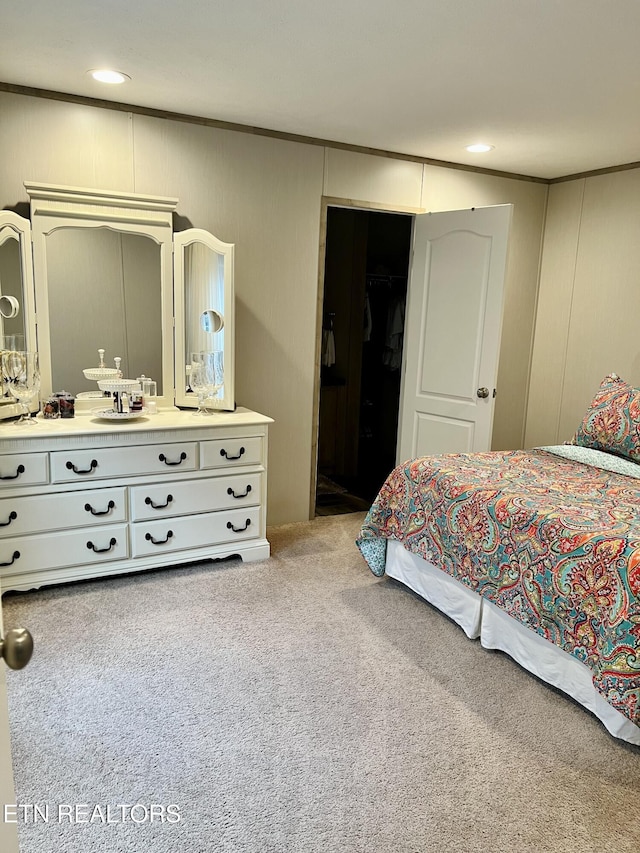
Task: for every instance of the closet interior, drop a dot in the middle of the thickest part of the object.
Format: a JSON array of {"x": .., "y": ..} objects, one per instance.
[{"x": 365, "y": 290}]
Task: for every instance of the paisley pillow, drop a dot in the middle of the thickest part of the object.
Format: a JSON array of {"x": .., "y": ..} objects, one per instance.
[{"x": 612, "y": 421}]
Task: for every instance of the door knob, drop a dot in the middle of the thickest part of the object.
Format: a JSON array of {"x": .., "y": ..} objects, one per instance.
[
  {"x": 16, "y": 647},
  {"x": 482, "y": 392}
]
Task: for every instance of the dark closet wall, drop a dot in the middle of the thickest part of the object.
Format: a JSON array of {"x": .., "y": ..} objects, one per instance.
[{"x": 366, "y": 264}]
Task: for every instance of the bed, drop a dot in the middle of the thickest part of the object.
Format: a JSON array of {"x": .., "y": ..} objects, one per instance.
[{"x": 534, "y": 552}]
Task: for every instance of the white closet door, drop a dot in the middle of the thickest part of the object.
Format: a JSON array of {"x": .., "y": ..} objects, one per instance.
[{"x": 452, "y": 331}]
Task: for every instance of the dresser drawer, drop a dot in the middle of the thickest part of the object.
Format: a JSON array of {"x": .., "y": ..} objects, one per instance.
[
  {"x": 75, "y": 465},
  {"x": 69, "y": 548},
  {"x": 224, "y": 453},
  {"x": 40, "y": 513},
  {"x": 24, "y": 469},
  {"x": 192, "y": 496},
  {"x": 195, "y": 531}
]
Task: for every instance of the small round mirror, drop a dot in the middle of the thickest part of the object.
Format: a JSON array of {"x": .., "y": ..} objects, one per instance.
[
  {"x": 211, "y": 321},
  {"x": 9, "y": 307}
]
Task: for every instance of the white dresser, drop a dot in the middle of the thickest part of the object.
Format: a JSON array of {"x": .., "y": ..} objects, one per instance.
[{"x": 81, "y": 498}]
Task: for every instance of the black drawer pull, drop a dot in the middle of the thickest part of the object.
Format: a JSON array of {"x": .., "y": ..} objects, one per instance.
[
  {"x": 106, "y": 511},
  {"x": 12, "y": 517},
  {"x": 233, "y": 494},
  {"x": 93, "y": 464},
  {"x": 149, "y": 502},
  {"x": 224, "y": 453},
  {"x": 150, "y": 538},
  {"x": 16, "y": 554},
  {"x": 19, "y": 470},
  {"x": 238, "y": 529},
  {"x": 111, "y": 544},
  {"x": 164, "y": 459}
]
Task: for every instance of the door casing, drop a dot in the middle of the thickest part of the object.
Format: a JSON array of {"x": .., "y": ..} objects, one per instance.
[{"x": 326, "y": 203}]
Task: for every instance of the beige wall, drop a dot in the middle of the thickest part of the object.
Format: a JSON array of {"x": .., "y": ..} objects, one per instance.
[
  {"x": 265, "y": 195},
  {"x": 589, "y": 303}
]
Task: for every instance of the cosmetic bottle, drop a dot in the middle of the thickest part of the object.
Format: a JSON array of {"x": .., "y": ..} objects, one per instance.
[
  {"x": 135, "y": 401},
  {"x": 66, "y": 404}
]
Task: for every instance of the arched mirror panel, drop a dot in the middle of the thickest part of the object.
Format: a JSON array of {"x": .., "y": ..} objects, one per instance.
[
  {"x": 103, "y": 279},
  {"x": 17, "y": 315},
  {"x": 203, "y": 276}
]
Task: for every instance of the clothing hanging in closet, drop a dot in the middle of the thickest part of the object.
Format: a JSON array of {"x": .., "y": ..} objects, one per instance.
[
  {"x": 384, "y": 316},
  {"x": 392, "y": 354},
  {"x": 328, "y": 345}
]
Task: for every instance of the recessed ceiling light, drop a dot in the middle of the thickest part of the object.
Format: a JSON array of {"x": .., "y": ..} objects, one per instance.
[
  {"x": 479, "y": 148},
  {"x": 104, "y": 75}
]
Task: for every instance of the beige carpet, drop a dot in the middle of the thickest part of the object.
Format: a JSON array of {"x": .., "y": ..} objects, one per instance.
[{"x": 299, "y": 704}]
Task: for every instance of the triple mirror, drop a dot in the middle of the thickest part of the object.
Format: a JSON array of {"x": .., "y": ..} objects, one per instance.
[{"x": 109, "y": 273}]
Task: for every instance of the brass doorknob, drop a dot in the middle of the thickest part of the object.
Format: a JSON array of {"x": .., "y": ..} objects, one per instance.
[
  {"x": 16, "y": 647},
  {"x": 482, "y": 392}
]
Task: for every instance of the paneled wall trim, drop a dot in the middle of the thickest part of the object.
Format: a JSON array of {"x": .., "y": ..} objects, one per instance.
[{"x": 589, "y": 300}]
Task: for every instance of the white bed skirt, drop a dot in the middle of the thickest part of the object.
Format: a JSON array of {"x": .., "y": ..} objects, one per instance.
[{"x": 479, "y": 618}]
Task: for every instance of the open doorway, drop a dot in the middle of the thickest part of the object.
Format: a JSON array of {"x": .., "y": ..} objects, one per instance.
[{"x": 365, "y": 288}]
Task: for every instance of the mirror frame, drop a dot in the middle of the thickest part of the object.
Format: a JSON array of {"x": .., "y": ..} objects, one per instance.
[
  {"x": 13, "y": 226},
  {"x": 181, "y": 240},
  {"x": 54, "y": 207}
]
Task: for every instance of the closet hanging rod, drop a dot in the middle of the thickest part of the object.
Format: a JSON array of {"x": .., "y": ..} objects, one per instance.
[{"x": 386, "y": 279}]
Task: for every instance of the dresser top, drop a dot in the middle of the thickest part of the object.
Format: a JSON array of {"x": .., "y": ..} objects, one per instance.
[{"x": 89, "y": 425}]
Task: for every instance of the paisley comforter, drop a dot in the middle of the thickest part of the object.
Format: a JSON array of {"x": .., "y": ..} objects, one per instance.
[{"x": 552, "y": 541}]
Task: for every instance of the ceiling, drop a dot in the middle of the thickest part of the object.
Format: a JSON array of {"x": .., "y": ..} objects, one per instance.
[{"x": 554, "y": 85}]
